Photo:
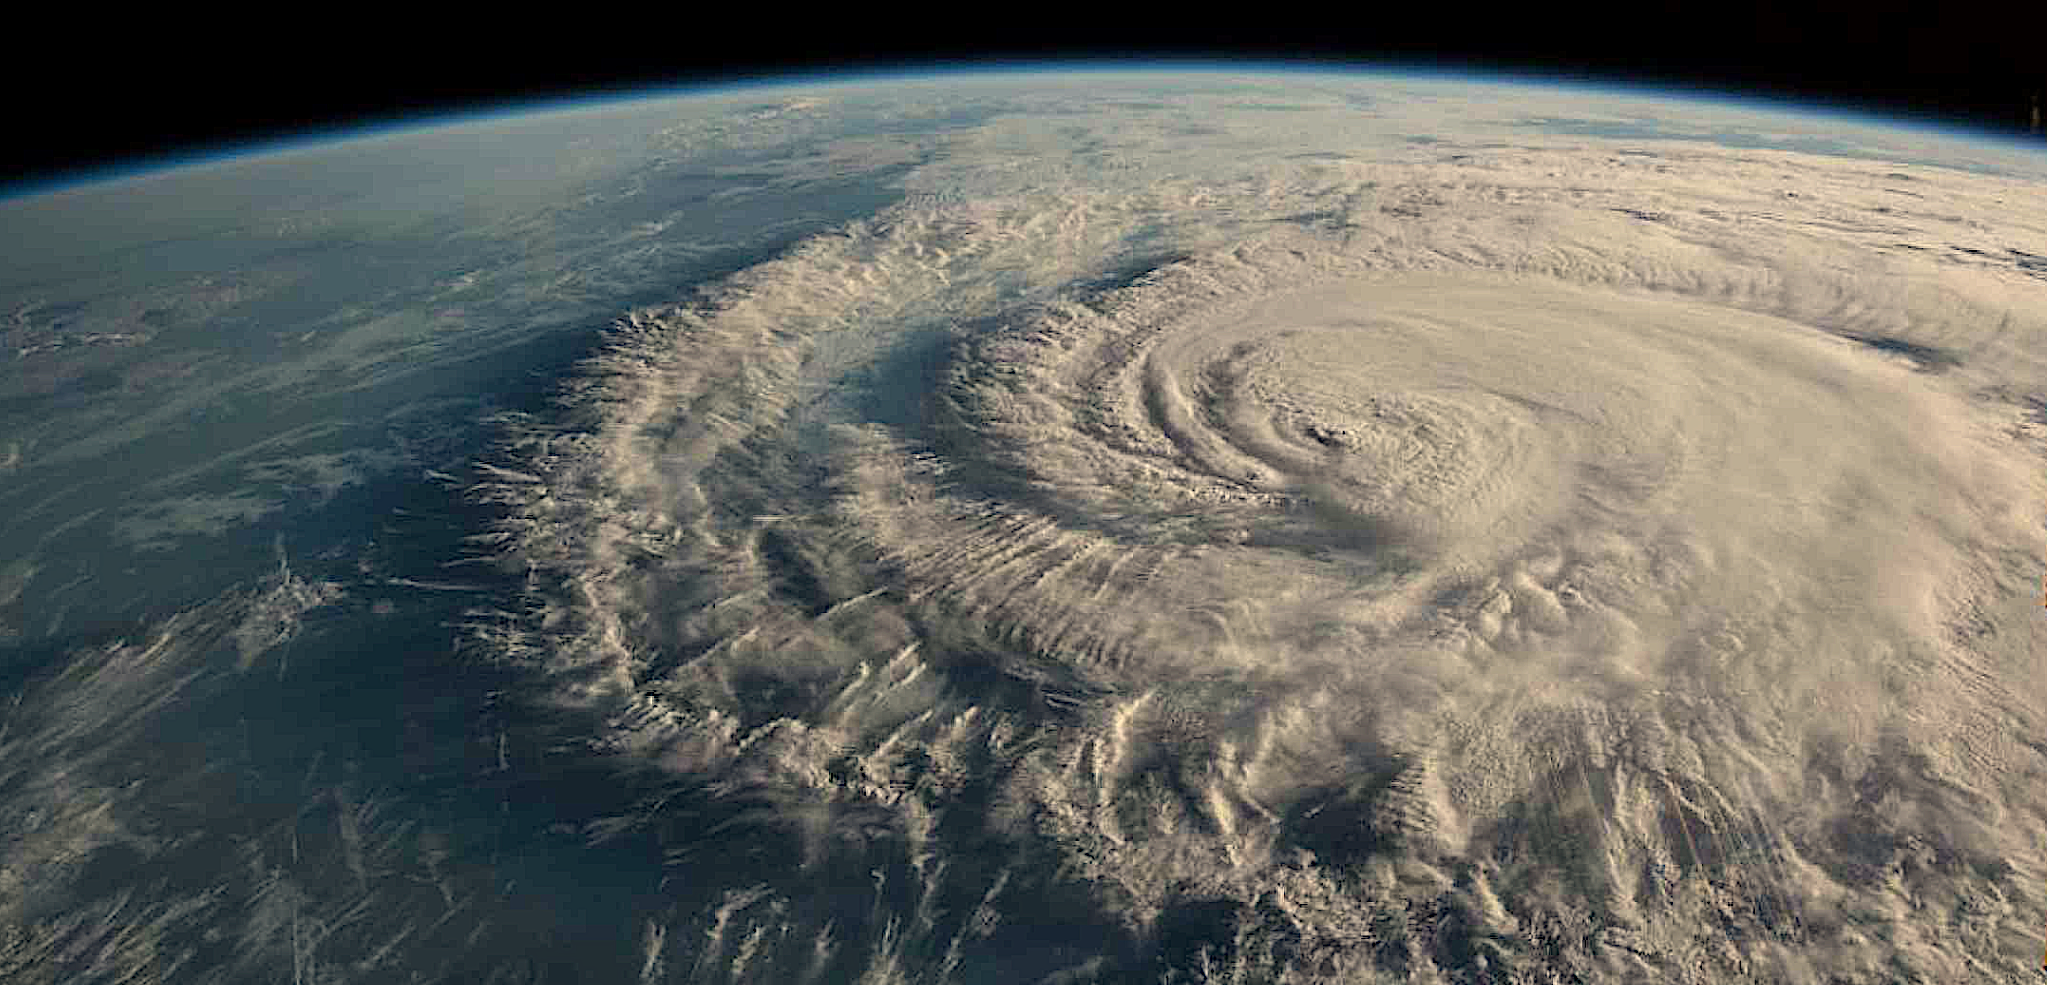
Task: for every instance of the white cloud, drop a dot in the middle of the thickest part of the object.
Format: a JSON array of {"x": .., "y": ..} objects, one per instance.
[{"x": 1546, "y": 537}]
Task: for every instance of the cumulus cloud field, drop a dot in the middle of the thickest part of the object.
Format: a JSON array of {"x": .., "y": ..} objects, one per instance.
[{"x": 1340, "y": 535}]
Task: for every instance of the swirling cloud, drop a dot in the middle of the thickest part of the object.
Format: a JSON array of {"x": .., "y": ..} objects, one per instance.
[{"x": 1405, "y": 564}]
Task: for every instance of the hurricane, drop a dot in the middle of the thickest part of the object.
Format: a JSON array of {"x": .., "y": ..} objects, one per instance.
[{"x": 1401, "y": 567}]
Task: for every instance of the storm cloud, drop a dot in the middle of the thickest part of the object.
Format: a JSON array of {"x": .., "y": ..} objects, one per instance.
[{"x": 1467, "y": 560}]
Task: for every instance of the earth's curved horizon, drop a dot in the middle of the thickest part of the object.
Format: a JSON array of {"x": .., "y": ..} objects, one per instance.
[{"x": 1047, "y": 527}]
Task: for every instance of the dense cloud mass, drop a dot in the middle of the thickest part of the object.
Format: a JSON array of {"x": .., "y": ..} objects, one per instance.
[{"x": 1468, "y": 564}]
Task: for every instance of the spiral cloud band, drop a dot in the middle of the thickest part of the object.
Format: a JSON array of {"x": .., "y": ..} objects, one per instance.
[{"x": 1416, "y": 561}]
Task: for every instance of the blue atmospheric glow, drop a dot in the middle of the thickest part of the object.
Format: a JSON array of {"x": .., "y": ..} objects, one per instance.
[{"x": 828, "y": 77}]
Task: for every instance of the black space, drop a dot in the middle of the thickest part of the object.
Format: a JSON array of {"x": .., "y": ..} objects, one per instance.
[{"x": 172, "y": 90}]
